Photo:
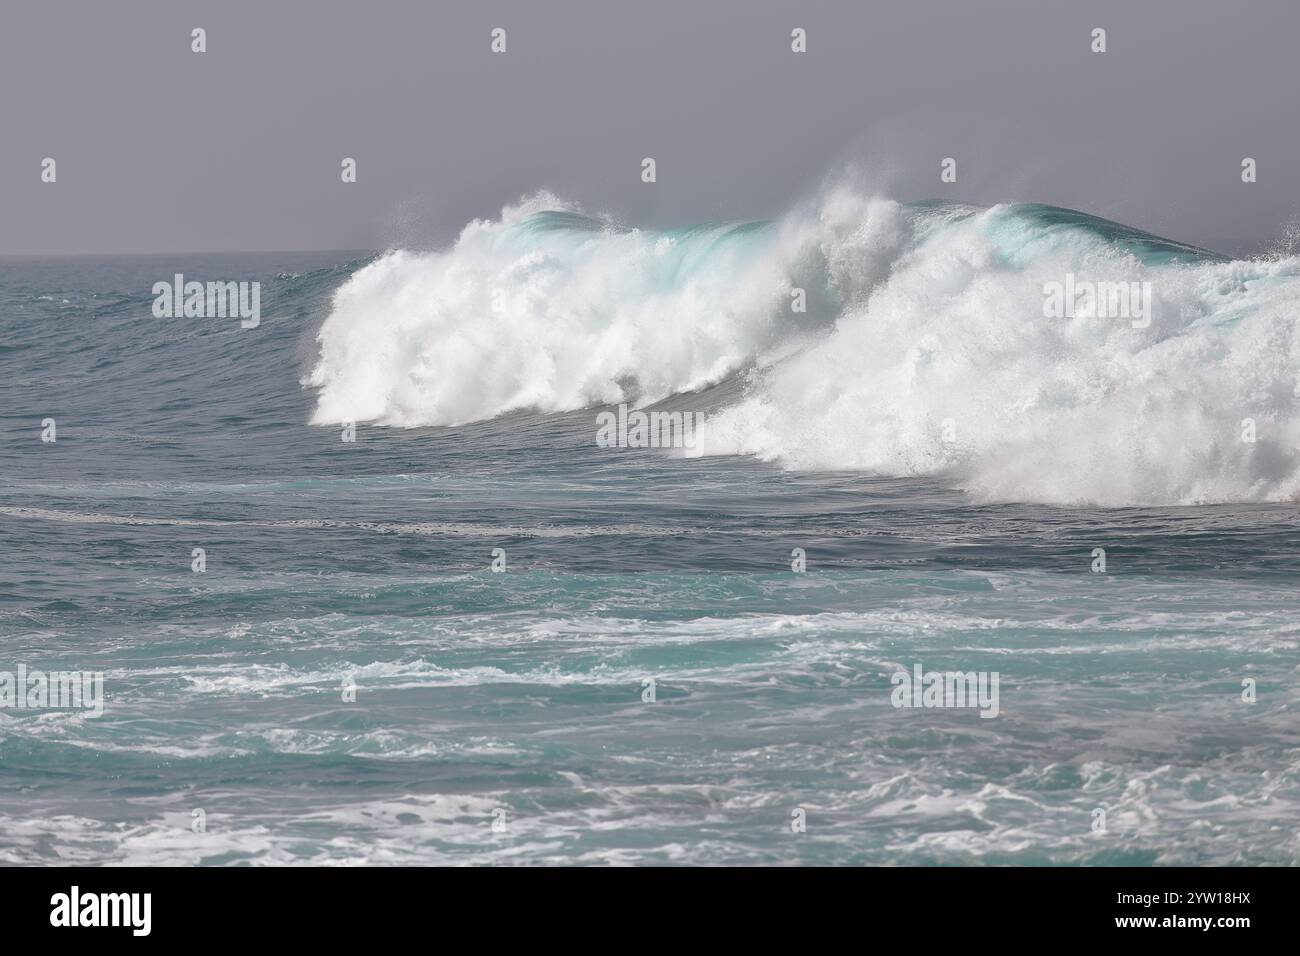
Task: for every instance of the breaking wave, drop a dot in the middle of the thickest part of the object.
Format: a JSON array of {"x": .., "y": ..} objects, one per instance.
[{"x": 923, "y": 347}]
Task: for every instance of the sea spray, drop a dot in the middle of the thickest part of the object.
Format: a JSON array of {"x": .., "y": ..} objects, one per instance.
[{"x": 924, "y": 348}]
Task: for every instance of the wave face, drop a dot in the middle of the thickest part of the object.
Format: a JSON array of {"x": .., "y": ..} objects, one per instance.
[{"x": 924, "y": 348}]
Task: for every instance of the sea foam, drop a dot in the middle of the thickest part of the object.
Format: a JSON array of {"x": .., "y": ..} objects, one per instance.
[{"x": 924, "y": 348}]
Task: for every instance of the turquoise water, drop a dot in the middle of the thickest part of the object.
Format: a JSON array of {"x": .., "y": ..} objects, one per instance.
[{"x": 518, "y": 696}]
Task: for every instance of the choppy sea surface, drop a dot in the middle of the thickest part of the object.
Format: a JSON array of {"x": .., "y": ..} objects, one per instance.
[{"x": 501, "y": 717}]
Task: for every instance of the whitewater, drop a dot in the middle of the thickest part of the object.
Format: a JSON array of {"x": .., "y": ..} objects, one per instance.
[{"x": 923, "y": 349}]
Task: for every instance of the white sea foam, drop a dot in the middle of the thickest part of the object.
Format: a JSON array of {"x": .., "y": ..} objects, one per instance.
[
  {"x": 924, "y": 351},
  {"x": 950, "y": 369}
]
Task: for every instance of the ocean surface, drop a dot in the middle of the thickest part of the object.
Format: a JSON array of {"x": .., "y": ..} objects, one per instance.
[{"x": 946, "y": 457}]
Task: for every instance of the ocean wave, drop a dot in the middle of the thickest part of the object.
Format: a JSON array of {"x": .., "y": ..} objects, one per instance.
[{"x": 924, "y": 349}]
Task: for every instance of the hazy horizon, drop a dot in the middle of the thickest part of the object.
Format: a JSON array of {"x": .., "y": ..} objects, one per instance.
[{"x": 239, "y": 147}]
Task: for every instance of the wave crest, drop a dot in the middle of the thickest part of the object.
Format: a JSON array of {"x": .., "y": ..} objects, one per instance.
[{"x": 924, "y": 349}]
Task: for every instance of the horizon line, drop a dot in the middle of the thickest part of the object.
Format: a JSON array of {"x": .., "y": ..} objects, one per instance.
[{"x": 192, "y": 252}]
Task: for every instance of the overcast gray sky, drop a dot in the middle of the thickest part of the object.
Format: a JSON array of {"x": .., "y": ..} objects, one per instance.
[{"x": 162, "y": 149}]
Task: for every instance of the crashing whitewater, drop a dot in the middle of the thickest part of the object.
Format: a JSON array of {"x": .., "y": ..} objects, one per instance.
[{"x": 923, "y": 348}]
